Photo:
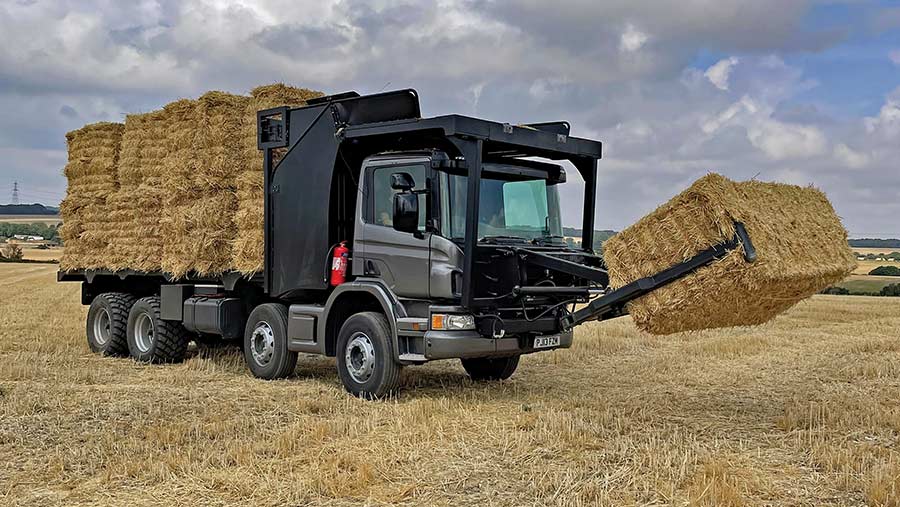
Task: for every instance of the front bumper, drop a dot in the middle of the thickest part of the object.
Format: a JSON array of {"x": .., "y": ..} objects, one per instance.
[{"x": 471, "y": 344}]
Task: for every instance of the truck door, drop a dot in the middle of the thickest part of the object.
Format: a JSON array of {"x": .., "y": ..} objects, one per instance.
[{"x": 401, "y": 259}]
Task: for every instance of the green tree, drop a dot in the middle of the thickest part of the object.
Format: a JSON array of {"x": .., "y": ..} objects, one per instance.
[
  {"x": 892, "y": 290},
  {"x": 885, "y": 271}
]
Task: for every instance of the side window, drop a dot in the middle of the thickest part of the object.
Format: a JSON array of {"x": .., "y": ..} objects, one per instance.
[{"x": 383, "y": 194}]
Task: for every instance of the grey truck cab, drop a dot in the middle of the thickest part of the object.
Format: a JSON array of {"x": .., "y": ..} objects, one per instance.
[{"x": 456, "y": 250}]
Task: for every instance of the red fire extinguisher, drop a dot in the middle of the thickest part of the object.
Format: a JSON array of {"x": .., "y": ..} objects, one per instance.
[{"x": 339, "y": 264}]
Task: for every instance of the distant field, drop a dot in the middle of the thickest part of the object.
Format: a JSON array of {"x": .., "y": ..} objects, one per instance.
[
  {"x": 875, "y": 251},
  {"x": 864, "y": 267},
  {"x": 866, "y": 283},
  {"x": 802, "y": 411},
  {"x": 35, "y": 254},
  {"x": 31, "y": 219}
]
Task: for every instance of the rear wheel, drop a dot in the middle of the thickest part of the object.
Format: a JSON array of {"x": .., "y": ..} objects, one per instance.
[
  {"x": 364, "y": 356},
  {"x": 153, "y": 340},
  {"x": 265, "y": 342},
  {"x": 107, "y": 323},
  {"x": 496, "y": 368}
]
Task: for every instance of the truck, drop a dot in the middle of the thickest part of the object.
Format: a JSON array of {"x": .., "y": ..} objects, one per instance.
[{"x": 391, "y": 240}]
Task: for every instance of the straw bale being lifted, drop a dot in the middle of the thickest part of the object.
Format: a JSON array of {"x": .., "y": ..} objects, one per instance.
[
  {"x": 800, "y": 243},
  {"x": 91, "y": 171}
]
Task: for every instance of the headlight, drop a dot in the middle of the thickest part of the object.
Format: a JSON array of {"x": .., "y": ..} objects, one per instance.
[{"x": 449, "y": 322}]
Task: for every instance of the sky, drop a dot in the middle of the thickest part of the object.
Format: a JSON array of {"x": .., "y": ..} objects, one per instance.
[{"x": 797, "y": 91}]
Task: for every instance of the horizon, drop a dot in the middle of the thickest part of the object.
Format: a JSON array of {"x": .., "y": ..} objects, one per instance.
[{"x": 577, "y": 228}]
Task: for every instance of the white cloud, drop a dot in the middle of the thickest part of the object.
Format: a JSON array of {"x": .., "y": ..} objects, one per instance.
[
  {"x": 894, "y": 56},
  {"x": 543, "y": 89},
  {"x": 851, "y": 158},
  {"x": 746, "y": 106},
  {"x": 776, "y": 139},
  {"x": 888, "y": 119},
  {"x": 476, "y": 91},
  {"x": 781, "y": 141},
  {"x": 719, "y": 73},
  {"x": 632, "y": 39}
]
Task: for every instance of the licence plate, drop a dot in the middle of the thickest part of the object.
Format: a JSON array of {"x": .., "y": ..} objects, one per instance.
[{"x": 543, "y": 342}]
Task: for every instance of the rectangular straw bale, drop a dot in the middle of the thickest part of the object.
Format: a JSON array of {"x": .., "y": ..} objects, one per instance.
[
  {"x": 135, "y": 241},
  {"x": 178, "y": 165},
  {"x": 91, "y": 171},
  {"x": 203, "y": 243},
  {"x": 247, "y": 254},
  {"x": 800, "y": 243}
]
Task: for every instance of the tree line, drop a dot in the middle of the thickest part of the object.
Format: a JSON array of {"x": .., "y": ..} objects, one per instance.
[
  {"x": 48, "y": 232},
  {"x": 874, "y": 243}
]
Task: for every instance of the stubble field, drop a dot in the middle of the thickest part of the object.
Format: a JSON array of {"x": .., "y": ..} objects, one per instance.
[{"x": 803, "y": 411}]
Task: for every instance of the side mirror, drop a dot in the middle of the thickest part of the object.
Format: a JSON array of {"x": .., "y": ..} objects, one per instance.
[
  {"x": 406, "y": 212},
  {"x": 402, "y": 181}
]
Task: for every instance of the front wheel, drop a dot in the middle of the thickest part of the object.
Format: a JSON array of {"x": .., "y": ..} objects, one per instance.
[
  {"x": 498, "y": 368},
  {"x": 364, "y": 356}
]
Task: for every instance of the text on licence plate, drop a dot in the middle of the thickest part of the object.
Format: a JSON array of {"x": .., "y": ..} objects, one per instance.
[{"x": 543, "y": 342}]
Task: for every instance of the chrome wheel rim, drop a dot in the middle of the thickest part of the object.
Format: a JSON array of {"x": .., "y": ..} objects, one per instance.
[
  {"x": 102, "y": 323},
  {"x": 360, "y": 357},
  {"x": 262, "y": 343},
  {"x": 143, "y": 332}
]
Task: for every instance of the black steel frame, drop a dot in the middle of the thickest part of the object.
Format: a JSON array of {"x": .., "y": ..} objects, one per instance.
[{"x": 372, "y": 119}]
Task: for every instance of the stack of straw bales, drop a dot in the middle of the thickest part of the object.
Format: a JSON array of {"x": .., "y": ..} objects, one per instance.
[
  {"x": 201, "y": 168},
  {"x": 800, "y": 242},
  {"x": 91, "y": 171},
  {"x": 247, "y": 251},
  {"x": 136, "y": 241},
  {"x": 184, "y": 196}
]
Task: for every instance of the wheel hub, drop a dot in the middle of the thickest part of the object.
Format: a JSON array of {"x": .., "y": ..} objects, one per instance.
[
  {"x": 102, "y": 324},
  {"x": 143, "y": 332},
  {"x": 262, "y": 344},
  {"x": 360, "y": 357}
]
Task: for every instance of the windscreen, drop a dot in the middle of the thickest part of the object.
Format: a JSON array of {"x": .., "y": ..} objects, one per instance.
[{"x": 512, "y": 207}]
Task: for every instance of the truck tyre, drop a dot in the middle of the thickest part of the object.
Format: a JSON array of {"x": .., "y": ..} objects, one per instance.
[
  {"x": 107, "y": 322},
  {"x": 496, "y": 368},
  {"x": 153, "y": 340},
  {"x": 265, "y": 342},
  {"x": 365, "y": 358}
]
